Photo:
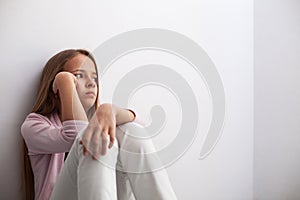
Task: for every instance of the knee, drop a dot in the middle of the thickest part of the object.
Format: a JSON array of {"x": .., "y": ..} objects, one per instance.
[
  {"x": 132, "y": 129},
  {"x": 134, "y": 138}
]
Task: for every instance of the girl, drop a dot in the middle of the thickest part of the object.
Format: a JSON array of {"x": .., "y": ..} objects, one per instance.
[{"x": 66, "y": 117}]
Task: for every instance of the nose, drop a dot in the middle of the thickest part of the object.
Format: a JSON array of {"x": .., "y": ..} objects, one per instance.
[{"x": 90, "y": 82}]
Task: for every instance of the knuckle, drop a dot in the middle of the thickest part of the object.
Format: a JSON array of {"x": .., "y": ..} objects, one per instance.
[
  {"x": 104, "y": 139},
  {"x": 85, "y": 140}
]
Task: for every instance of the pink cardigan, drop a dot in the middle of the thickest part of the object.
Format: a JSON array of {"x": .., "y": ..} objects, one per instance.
[{"x": 47, "y": 140}]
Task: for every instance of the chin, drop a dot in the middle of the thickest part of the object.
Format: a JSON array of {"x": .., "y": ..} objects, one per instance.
[{"x": 89, "y": 107}]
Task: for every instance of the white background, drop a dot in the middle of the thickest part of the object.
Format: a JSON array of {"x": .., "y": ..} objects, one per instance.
[
  {"x": 276, "y": 99},
  {"x": 32, "y": 31}
]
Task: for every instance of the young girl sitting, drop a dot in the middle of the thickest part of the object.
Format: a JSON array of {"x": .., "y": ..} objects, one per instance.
[{"x": 67, "y": 117}]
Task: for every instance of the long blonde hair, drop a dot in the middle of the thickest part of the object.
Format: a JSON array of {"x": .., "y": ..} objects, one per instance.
[{"x": 46, "y": 104}]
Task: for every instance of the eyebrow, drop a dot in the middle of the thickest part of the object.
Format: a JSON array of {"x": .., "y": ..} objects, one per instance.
[{"x": 81, "y": 70}]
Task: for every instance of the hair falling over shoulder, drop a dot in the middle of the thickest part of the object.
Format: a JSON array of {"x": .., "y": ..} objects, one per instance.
[
  {"x": 46, "y": 103},
  {"x": 27, "y": 175}
]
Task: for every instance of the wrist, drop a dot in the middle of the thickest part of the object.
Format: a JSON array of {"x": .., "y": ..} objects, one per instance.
[
  {"x": 64, "y": 75},
  {"x": 114, "y": 110},
  {"x": 110, "y": 108},
  {"x": 63, "y": 79}
]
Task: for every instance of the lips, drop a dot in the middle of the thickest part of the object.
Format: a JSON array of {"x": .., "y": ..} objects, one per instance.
[{"x": 90, "y": 94}]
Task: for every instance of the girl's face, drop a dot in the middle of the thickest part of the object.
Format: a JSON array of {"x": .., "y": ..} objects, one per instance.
[{"x": 85, "y": 71}]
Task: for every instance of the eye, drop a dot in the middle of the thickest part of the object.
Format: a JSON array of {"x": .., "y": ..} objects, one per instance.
[
  {"x": 78, "y": 75},
  {"x": 95, "y": 79}
]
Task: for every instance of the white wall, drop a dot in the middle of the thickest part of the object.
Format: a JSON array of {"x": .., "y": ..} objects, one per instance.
[
  {"x": 32, "y": 31},
  {"x": 277, "y": 97}
]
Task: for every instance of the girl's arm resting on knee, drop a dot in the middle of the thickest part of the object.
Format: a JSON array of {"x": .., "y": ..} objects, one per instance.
[
  {"x": 123, "y": 115},
  {"x": 127, "y": 115},
  {"x": 103, "y": 126},
  {"x": 120, "y": 115}
]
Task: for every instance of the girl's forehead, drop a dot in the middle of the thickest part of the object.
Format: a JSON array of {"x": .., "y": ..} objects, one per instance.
[{"x": 80, "y": 62}]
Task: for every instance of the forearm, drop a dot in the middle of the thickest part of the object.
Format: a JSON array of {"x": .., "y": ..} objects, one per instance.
[
  {"x": 123, "y": 115},
  {"x": 71, "y": 107}
]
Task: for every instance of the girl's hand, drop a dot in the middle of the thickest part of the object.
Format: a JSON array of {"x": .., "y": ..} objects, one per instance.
[
  {"x": 61, "y": 79},
  {"x": 100, "y": 131}
]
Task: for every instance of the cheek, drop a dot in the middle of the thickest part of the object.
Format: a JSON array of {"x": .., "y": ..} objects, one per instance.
[{"x": 79, "y": 87}]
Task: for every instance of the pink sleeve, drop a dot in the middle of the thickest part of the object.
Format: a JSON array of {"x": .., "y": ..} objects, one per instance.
[{"x": 42, "y": 137}]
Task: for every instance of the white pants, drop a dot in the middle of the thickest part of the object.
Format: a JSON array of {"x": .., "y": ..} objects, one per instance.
[{"x": 124, "y": 173}]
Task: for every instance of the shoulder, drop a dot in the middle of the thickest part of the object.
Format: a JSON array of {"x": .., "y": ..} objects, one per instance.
[
  {"x": 34, "y": 121},
  {"x": 36, "y": 115},
  {"x": 38, "y": 118}
]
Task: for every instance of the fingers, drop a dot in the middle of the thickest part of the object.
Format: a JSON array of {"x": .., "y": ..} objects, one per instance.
[
  {"x": 85, "y": 151},
  {"x": 86, "y": 139},
  {"x": 112, "y": 133},
  {"x": 104, "y": 140},
  {"x": 96, "y": 136},
  {"x": 96, "y": 141}
]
